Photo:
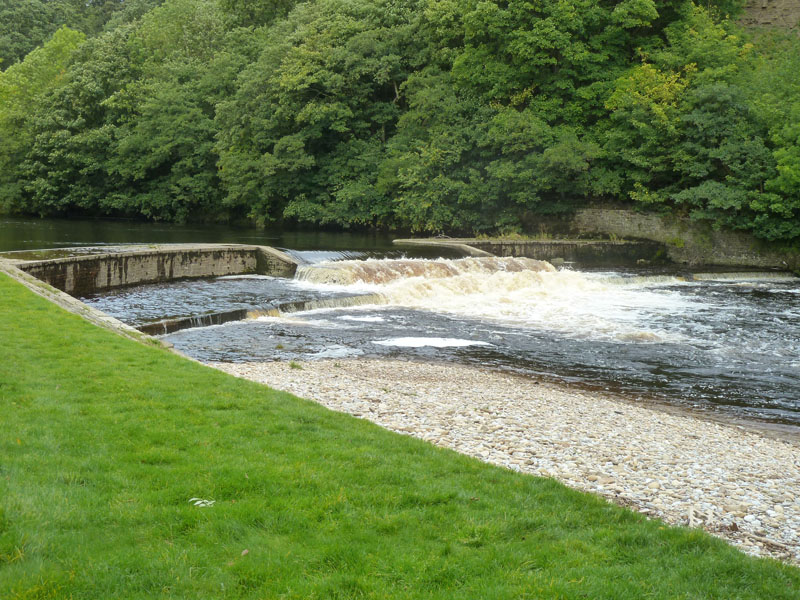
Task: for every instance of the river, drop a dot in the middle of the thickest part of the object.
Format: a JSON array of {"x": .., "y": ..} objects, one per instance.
[{"x": 726, "y": 343}]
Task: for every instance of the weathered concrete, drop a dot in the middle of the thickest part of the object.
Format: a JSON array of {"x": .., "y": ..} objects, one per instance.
[
  {"x": 586, "y": 252},
  {"x": 686, "y": 242},
  {"x": 86, "y": 273},
  {"x": 463, "y": 246},
  {"x": 172, "y": 325},
  {"x": 166, "y": 326}
]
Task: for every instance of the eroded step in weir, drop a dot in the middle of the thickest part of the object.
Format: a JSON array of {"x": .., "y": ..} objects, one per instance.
[{"x": 168, "y": 326}]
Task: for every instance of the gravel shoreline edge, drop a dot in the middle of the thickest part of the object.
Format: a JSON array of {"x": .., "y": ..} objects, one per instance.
[{"x": 733, "y": 482}]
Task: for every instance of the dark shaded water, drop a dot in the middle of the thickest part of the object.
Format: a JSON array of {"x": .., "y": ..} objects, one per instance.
[{"x": 31, "y": 234}]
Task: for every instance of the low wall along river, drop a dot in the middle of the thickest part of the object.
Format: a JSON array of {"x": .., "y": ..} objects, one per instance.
[{"x": 88, "y": 271}]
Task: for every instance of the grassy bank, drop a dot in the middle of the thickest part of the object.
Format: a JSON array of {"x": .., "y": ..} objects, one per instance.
[{"x": 104, "y": 441}]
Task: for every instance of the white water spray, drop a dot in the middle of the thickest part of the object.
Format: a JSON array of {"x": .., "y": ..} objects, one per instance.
[{"x": 526, "y": 292}]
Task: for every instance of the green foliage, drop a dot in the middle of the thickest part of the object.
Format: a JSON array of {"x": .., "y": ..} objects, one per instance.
[
  {"x": 304, "y": 133},
  {"x": 427, "y": 115},
  {"x": 73, "y": 129},
  {"x": 256, "y": 13},
  {"x": 21, "y": 86},
  {"x": 26, "y": 24},
  {"x": 690, "y": 135}
]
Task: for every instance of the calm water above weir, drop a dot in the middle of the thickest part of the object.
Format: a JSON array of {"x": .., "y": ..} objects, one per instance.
[
  {"x": 33, "y": 234},
  {"x": 731, "y": 344}
]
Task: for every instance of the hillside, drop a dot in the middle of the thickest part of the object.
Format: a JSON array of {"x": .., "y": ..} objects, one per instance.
[{"x": 457, "y": 116}]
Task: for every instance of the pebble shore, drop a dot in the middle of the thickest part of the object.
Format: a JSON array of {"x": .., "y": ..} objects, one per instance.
[{"x": 735, "y": 484}]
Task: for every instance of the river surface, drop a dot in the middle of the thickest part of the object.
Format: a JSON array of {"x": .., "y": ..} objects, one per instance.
[{"x": 729, "y": 343}]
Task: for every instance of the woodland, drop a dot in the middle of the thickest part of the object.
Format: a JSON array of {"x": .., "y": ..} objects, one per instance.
[{"x": 439, "y": 116}]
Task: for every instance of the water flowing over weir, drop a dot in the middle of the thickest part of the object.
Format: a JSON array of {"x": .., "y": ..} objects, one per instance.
[
  {"x": 724, "y": 341},
  {"x": 386, "y": 271},
  {"x": 527, "y": 292}
]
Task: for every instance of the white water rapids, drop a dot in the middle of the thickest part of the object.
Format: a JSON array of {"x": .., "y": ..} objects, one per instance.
[{"x": 519, "y": 291}]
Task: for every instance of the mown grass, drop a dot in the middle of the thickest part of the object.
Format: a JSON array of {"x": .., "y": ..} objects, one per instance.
[{"x": 104, "y": 441}]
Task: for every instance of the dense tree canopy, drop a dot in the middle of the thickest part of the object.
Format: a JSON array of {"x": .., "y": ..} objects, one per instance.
[
  {"x": 428, "y": 115},
  {"x": 27, "y": 24}
]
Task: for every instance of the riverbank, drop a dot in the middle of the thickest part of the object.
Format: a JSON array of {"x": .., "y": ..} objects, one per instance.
[
  {"x": 131, "y": 472},
  {"x": 736, "y": 484}
]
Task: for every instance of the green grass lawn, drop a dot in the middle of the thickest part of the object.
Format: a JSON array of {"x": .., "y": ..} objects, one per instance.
[{"x": 103, "y": 441}]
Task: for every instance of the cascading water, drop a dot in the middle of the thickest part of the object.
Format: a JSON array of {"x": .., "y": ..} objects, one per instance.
[
  {"x": 525, "y": 292},
  {"x": 371, "y": 272}
]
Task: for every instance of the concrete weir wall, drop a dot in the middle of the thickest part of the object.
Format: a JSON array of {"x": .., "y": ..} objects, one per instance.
[
  {"x": 585, "y": 252},
  {"x": 86, "y": 274}
]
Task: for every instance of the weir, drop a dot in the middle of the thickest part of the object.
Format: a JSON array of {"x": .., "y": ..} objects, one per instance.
[
  {"x": 348, "y": 272},
  {"x": 167, "y": 326},
  {"x": 85, "y": 271},
  {"x": 463, "y": 272}
]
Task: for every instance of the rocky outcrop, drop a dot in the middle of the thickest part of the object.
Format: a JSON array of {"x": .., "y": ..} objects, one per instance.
[{"x": 782, "y": 14}]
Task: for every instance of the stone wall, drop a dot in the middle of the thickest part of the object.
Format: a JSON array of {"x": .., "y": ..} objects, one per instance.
[
  {"x": 687, "y": 242},
  {"x": 783, "y": 14}
]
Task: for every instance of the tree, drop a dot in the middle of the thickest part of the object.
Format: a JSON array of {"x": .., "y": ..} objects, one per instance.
[
  {"x": 302, "y": 137},
  {"x": 22, "y": 86},
  {"x": 26, "y": 24},
  {"x": 73, "y": 129}
]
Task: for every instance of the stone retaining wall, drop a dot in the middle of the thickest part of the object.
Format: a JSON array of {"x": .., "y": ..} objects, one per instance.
[
  {"x": 783, "y": 14},
  {"x": 687, "y": 242}
]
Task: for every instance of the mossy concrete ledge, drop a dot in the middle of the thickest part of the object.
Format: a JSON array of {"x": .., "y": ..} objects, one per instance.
[{"x": 90, "y": 271}]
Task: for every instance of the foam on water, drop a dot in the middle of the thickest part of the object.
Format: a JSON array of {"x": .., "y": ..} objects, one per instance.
[
  {"x": 525, "y": 292},
  {"x": 244, "y": 276},
  {"x": 337, "y": 351},
  {"x": 367, "y": 319},
  {"x": 746, "y": 276},
  {"x": 420, "y": 342},
  {"x": 383, "y": 271}
]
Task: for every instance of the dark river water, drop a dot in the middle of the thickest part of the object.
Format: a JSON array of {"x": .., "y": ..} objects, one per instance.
[
  {"x": 31, "y": 234},
  {"x": 729, "y": 343}
]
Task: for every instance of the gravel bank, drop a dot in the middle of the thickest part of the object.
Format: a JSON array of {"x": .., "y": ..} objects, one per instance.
[{"x": 733, "y": 483}]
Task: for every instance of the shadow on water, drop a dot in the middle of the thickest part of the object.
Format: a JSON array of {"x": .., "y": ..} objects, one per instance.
[{"x": 31, "y": 234}]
